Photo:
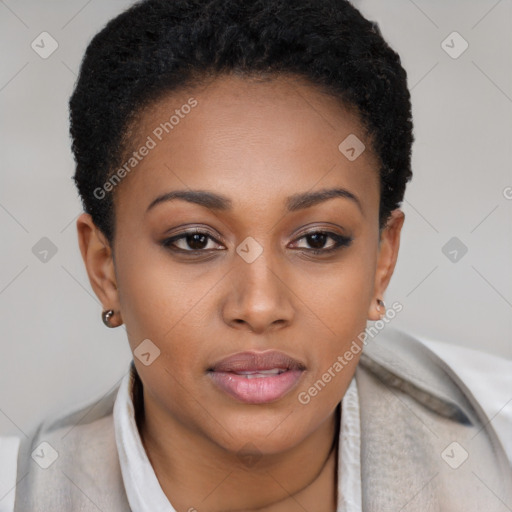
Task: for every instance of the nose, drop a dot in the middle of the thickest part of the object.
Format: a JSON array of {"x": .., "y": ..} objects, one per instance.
[{"x": 260, "y": 299}]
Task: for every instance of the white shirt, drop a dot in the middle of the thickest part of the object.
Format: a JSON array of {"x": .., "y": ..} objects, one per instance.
[{"x": 488, "y": 377}]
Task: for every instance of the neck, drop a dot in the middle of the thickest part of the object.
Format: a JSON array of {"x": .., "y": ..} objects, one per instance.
[{"x": 195, "y": 472}]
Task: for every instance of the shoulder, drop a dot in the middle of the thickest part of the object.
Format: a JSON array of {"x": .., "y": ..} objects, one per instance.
[
  {"x": 66, "y": 428},
  {"x": 488, "y": 378},
  {"x": 86, "y": 413},
  {"x": 422, "y": 425},
  {"x": 444, "y": 377},
  {"x": 76, "y": 446}
]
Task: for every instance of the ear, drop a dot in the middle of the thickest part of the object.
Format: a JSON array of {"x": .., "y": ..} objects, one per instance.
[
  {"x": 99, "y": 263},
  {"x": 386, "y": 260}
]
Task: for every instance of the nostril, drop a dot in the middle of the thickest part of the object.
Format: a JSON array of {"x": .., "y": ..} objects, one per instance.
[{"x": 243, "y": 322}]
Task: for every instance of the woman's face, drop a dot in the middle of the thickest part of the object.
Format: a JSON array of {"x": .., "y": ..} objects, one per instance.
[{"x": 224, "y": 280}]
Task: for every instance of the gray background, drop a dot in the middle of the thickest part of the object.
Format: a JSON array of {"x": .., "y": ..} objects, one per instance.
[{"x": 56, "y": 353}]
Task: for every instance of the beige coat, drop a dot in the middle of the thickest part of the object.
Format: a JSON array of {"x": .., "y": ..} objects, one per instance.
[{"x": 426, "y": 444}]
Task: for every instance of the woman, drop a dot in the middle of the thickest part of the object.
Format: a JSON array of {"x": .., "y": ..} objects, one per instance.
[{"x": 241, "y": 166}]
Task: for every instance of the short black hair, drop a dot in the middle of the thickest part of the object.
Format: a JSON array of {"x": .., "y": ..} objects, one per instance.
[{"x": 156, "y": 47}]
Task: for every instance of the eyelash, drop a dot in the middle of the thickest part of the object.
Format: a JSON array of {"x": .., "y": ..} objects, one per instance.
[{"x": 340, "y": 242}]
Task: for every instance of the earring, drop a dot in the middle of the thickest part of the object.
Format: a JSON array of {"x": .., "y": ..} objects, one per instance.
[
  {"x": 380, "y": 304},
  {"x": 106, "y": 316}
]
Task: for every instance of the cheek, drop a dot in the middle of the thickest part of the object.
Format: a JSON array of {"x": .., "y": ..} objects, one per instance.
[
  {"x": 165, "y": 302},
  {"x": 151, "y": 295},
  {"x": 340, "y": 293},
  {"x": 339, "y": 298}
]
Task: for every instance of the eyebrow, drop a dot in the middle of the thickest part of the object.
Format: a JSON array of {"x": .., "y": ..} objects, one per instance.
[{"x": 219, "y": 202}]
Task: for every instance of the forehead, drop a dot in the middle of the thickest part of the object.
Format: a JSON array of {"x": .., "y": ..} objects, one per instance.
[{"x": 249, "y": 139}]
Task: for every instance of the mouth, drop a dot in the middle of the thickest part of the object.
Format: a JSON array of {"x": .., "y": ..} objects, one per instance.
[{"x": 257, "y": 377}]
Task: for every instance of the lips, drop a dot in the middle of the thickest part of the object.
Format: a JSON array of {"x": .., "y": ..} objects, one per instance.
[{"x": 257, "y": 377}]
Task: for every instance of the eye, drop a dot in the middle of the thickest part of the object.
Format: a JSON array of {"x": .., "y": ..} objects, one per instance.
[
  {"x": 195, "y": 240},
  {"x": 318, "y": 239}
]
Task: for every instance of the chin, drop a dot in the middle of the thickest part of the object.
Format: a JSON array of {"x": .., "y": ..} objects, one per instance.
[{"x": 262, "y": 431}]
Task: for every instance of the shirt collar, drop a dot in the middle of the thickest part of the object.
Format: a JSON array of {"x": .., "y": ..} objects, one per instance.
[{"x": 143, "y": 490}]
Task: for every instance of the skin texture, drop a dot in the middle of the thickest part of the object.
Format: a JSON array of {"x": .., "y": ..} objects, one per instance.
[{"x": 256, "y": 143}]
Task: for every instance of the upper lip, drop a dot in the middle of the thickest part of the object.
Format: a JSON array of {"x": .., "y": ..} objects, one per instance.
[{"x": 256, "y": 361}]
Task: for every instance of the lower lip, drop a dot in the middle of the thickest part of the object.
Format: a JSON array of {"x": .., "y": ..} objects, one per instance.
[{"x": 260, "y": 390}]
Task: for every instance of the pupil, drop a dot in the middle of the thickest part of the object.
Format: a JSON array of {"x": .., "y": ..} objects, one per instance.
[
  {"x": 196, "y": 241},
  {"x": 318, "y": 240}
]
